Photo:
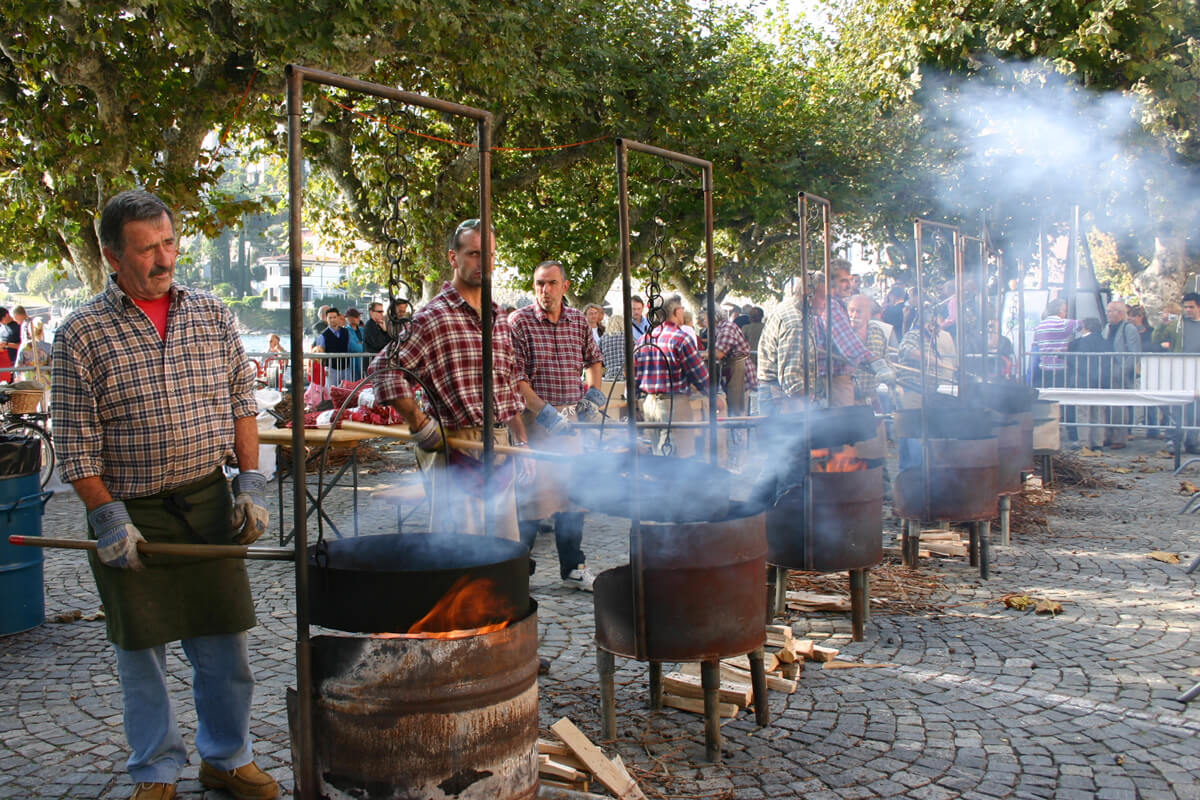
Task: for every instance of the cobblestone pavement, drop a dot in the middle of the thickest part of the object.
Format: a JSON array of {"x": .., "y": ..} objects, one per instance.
[{"x": 984, "y": 702}]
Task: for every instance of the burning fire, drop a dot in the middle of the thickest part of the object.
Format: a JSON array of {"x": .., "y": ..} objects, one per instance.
[
  {"x": 471, "y": 607},
  {"x": 844, "y": 460}
]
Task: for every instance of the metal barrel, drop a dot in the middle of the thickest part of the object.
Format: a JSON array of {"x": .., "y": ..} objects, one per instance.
[
  {"x": 445, "y": 718},
  {"x": 22, "y": 600}
]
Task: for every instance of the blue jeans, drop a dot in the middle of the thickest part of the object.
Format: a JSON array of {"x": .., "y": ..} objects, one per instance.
[
  {"x": 223, "y": 689},
  {"x": 909, "y": 451}
]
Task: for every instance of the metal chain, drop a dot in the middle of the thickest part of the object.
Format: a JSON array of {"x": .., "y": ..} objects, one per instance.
[{"x": 397, "y": 234}]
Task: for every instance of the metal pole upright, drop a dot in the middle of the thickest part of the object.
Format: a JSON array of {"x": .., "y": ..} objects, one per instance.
[{"x": 306, "y": 773}]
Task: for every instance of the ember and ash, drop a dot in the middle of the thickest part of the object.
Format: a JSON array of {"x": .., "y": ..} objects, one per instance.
[{"x": 844, "y": 459}]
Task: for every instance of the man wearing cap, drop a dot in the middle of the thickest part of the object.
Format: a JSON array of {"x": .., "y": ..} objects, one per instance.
[
  {"x": 444, "y": 348},
  {"x": 144, "y": 448},
  {"x": 554, "y": 346}
]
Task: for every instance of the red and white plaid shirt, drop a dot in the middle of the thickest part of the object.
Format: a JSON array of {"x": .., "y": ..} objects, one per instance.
[
  {"x": 445, "y": 349},
  {"x": 553, "y": 355},
  {"x": 670, "y": 364},
  {"x": 732, "y": 342}
]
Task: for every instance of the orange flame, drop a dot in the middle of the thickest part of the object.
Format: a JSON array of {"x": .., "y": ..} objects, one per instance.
[
  {"x": 471, "y": 607},
  {"x": 844, "y": 460}
]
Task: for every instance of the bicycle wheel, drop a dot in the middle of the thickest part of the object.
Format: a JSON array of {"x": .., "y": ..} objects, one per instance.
[{"x": 47, "y": 446}]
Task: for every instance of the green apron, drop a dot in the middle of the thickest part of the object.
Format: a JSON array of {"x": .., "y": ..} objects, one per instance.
[{"x": 177, "y": 597}]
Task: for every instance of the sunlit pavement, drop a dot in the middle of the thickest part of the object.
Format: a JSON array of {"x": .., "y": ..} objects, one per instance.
[{"x": 983, "y": 701}]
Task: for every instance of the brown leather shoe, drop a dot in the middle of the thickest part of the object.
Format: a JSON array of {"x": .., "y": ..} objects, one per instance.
[
  {"x": 153, "y": 791},
  {"x": 247, "y": 782}
]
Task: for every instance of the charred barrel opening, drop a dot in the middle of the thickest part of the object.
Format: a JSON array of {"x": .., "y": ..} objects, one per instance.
[
  {"x": 386, "y": 584},
  {"x": 440, "y": 701},
  {"x": 963, "y": 467},
  {"x": 828, "y": 510}
]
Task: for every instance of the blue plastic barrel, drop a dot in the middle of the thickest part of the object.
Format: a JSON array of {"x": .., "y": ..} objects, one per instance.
[{"x": 22, "y": 600}]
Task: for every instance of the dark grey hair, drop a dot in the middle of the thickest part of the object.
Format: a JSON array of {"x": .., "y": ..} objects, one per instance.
[{"x": 133, "y": 205}]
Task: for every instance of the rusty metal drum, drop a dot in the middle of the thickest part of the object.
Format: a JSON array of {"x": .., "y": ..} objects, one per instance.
[
  {"x": 430, "y": 718},
  {"x": 963, "y": 468},
  {"x": 704, "y": 595},
  {"x": 847, "y": 523},
  {"x": 1010, "y": 456}
]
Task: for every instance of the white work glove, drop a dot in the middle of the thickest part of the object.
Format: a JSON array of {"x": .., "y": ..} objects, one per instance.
[
  {"x": 883, "y": 371},
  {"x": 552, "y": 421},
  {"x": 250, "y": 515},
  {"x": 116, "y": 536},
  {"x": 429, "y": 436},
  {"x": 589, "y": 407}
]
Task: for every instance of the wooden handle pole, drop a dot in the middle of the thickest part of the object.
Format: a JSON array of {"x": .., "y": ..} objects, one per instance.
[
  {"x": 164, "y": 549},
  {"x": 460, "y": 444}
]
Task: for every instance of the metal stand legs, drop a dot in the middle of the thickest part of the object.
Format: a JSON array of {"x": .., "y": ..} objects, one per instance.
[
  {"x": 606, "y": 665},
  {"x": 1005, "y": 519},
  {"x": 860, "y": 598}
]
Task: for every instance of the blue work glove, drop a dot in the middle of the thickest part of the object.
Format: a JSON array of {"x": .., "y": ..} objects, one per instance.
[
  {"x": 883, "y": 371},
  {"x": 590, "y": 406},
  {"x": 116, "y": 536},
  {"x": 250, "y": 515},
  {"x": 552, "y": 421}
]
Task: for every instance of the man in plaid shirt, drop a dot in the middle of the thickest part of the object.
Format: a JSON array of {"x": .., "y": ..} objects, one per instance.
[
  {"x": 151, "y": 392},
  {"x": 738, "y": 374},
  {"x": 850, "y": 352},
  {"x": 444, "y": 348},
  {"x": 668, "y": 366},
  {"x": 553, "y": 344},
  {"x": 783, "y": 385}
]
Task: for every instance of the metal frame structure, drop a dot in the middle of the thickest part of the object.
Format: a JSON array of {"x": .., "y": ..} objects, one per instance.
[
  {"x": 296, "y": 77},
  {"x": 636, "y": 556}
]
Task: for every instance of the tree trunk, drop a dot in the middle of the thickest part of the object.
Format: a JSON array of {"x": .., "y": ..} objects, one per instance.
[
  {"x": 85, "y": 259},
  {"x": 1164, "y": 280}
]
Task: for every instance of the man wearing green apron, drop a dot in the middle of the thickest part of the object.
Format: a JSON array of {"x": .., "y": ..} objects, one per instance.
[{"x": 152, "y": 392}]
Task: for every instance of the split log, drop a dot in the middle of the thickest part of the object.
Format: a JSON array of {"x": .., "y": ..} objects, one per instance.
[
  {"x": 804, "y": 649},
  {"x": 824, "y": 653},
  {"x": 734, "y": 674},
  {"x": 815, "y": 601},
  {"x": 683, "y": 685},
  {"x": 562, "y": 772},
  {"x": 614, "y": 778},
  {"x": 770, "y": 662},
  {"x": 696, "y": 705}
]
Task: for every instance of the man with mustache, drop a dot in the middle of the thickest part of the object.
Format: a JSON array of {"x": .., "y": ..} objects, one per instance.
[
  {"x": 554, "y": 345},
  {"x": 444, "y": 348},
  {"x": 146, "y": 412}
]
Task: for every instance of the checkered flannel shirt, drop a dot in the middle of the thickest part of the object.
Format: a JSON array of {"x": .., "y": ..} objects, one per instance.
[
  {"x": 781, "y": 352},
  {"x": 143, "y": 414},
  {"x": 612, "y": 347},
  {"x": 845, "y": 341},
  {"x": 732, "y": 342},
  {"x": 445, "y": 348},
  {"x": 553, "y": 355},
  {"x": 673, "y": 352}
]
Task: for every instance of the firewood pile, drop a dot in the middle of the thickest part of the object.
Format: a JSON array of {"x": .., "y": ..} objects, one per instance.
[
  {"x": 895, "y": 589},
  {"x": 1072, "y": 472},
  {"x": 573, "y": 762}
]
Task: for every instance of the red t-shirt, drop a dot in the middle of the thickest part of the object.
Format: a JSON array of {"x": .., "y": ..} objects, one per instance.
[{"x": 156, "y": 310}]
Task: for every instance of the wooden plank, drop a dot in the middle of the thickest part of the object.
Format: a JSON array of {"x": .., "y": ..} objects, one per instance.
[
  {"x": 770, "y": 662},
  {"x": 738, "y": 675},
  {"x": 740, "y": 694},
  {"x": 614, "y": 779},
  {"x": 562, "y": 772},
  {"x": 561, "y": 753},
  {"x": 696, "y": 705},
  {"x": 815, "y": 601}
]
